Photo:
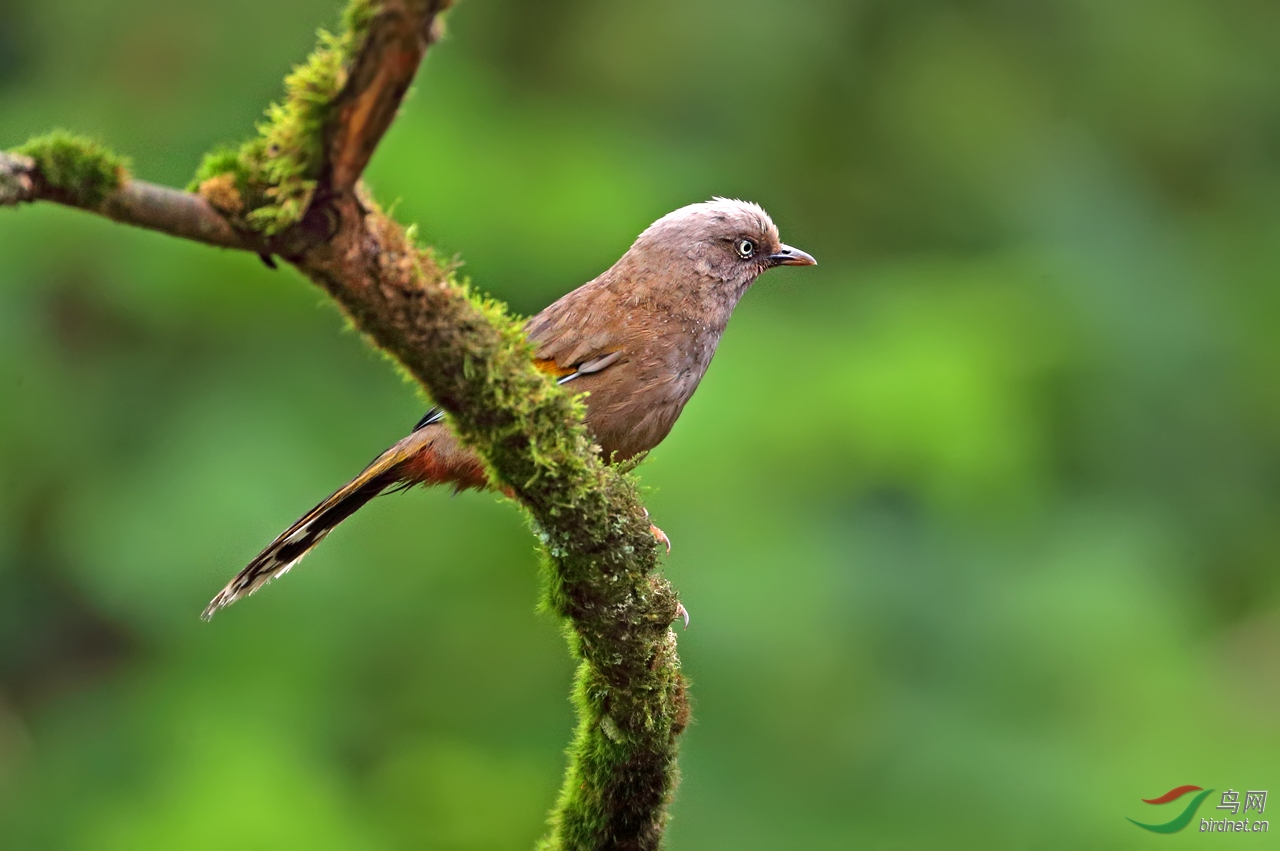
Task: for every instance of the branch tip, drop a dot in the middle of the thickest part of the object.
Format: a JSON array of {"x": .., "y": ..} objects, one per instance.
[
  {"x": 74, "y": 169},
  {"x": 16, "y": 182}
]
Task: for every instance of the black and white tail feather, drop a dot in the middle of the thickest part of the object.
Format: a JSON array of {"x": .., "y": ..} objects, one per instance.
[
  {"x": 380, "y": 476},
  {"x": 299, "y": 539}
]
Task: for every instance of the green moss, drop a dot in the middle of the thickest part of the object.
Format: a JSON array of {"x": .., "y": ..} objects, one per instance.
[
  {"x": 598, "y": 575},
  {"x": 276, "y": 171},
  {"x": 357, "y": 17},
  {"x": 220, "y": 161},
  {"x": 81, "y": 168}
]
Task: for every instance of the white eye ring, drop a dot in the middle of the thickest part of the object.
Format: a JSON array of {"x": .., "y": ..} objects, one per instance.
[{"x": 746, "y": 248}]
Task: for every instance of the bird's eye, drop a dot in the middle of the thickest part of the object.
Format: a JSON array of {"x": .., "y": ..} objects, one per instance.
[{"x": 746, "y": 248}]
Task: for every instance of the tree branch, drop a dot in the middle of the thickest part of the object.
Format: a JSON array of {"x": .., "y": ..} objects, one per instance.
[
  {"x": 130, "y": 202},
  {"x": 630, "y": 695},
  {"x": 292, "y": 191},
  {"x": 395, "y": 42}
]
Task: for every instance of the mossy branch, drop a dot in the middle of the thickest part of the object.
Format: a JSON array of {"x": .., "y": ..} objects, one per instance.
[
  {"x": 292, "y": 191},
  {"x": 78, "y": 172}
]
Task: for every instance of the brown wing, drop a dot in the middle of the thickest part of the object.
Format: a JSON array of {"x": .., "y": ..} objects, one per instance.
[
  {"x": 578, "y": 334},
  {"x": 571, "y": 338}
]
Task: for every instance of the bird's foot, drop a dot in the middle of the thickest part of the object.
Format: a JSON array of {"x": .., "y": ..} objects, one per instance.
[
  {"x": 659, "y": 535},
  {"x": 682, "y": 612}
]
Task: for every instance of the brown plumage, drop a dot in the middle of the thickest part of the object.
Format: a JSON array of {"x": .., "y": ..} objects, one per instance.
[{"x": 638, "y": 339}]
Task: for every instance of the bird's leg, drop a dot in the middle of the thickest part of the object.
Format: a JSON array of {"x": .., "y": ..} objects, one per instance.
[
  {"x": 659, "y": 535},
  {"x": 682, "y": 612}
]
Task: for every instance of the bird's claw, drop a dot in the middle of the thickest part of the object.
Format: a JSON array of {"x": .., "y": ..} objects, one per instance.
[
  {"x": 682, "y": 612},
  {"x": 661, "y": 537}
]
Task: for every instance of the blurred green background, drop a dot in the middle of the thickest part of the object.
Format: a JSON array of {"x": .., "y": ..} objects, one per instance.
[{"x": 977, "y": 520}]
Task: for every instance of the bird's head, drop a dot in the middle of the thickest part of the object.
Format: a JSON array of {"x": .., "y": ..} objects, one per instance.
[{"x": 730, "y": 242}]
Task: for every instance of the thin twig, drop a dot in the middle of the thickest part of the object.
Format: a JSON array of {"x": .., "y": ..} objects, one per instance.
[{"x": 135, "y": 202}]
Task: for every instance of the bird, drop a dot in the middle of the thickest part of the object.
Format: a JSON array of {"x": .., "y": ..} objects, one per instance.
[{"x": 637, "y": 340}]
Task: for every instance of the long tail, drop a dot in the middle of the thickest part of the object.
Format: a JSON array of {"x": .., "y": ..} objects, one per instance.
[{"x": 296, "y": 541}]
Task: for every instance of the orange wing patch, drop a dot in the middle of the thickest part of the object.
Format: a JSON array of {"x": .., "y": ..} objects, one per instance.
[{"x": 549, "y": 366}]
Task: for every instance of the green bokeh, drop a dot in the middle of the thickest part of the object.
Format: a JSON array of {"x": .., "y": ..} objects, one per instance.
[{"x": 977, "y": 520}]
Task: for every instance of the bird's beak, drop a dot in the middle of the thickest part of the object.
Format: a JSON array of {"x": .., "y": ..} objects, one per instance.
[{"x": 788, "y": 256}]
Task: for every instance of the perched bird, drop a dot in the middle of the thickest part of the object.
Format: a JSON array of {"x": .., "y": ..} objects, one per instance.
[{"x": 637, "y": 339}]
